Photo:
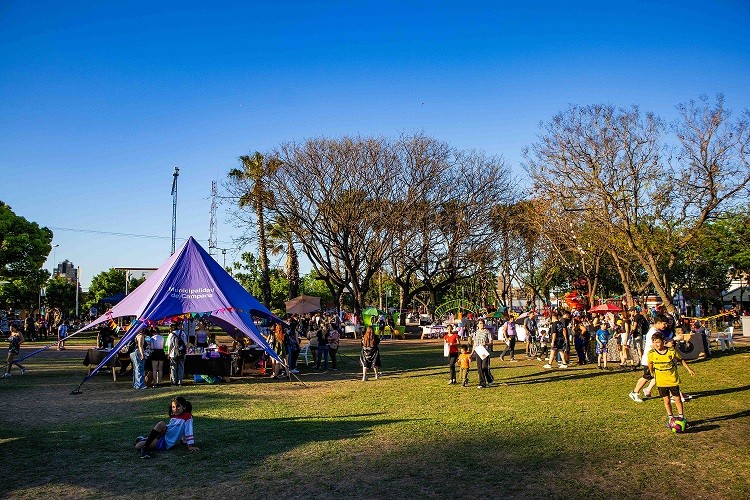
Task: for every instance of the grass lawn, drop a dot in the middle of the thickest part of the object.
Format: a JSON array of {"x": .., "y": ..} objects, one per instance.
[{"x": 539, "y": 434}]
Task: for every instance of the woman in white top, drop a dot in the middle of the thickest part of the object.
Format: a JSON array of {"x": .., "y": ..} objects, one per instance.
[{"x": 158, "y": 356}]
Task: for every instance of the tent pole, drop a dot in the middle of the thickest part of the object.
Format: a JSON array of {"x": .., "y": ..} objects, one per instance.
[{"x": 289, "y": 372}]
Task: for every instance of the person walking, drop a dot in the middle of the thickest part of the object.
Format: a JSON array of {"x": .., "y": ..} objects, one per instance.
[
  {"x": 508, "y": 331},
  {"x": 559, "y": 341},
  {"x": 464, "y": 363},
  {"x": 450, "y": 340},
  {"x": 482, "y": 341},
  {"x": 370, "y": 355},
  {"x": 14, "y": 348}
]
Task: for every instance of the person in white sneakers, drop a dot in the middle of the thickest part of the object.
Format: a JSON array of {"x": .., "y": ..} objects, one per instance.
[
  {"x": 559, "y": 341},
  {"x": 660, "y": 325},
  {"x": 15, "y": 340}
]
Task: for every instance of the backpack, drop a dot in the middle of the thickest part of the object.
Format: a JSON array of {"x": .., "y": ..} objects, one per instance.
[
  {"x": 132, "y": 346},
  {"x": 180, "y": 348}
]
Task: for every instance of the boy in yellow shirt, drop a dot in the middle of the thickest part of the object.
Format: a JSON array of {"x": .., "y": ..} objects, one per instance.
[
  {"x": 662, "y": 363},
  {"x": 464, "y": 362}
]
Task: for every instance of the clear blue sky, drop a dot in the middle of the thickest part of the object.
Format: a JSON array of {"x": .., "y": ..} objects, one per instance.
[{"x": 100, "y": 100}]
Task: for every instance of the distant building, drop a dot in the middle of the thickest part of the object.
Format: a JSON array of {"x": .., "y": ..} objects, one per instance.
[{"x": 67, "y": 270}]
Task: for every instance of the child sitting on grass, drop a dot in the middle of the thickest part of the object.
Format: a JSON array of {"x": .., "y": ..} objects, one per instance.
[
  {"x": 662, "y": 363},
  {"x": 164, "y": 436},
  {"x": 464, "y": 363}
]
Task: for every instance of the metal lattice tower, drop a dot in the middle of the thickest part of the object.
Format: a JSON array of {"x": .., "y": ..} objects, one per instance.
[
  {"x": 176, "y": 174},
  {"x": 212, "y": 224}
]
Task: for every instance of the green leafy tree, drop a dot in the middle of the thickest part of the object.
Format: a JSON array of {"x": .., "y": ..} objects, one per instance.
[
  {"x": 23, "y": 292},
  {"x": 105, "y": 284},
  {"x": 248, "y": 274},
  {"x": 24, "y": 246},
  {"x": 312, "y": 284},
  {"x": 61, "y": 294}
]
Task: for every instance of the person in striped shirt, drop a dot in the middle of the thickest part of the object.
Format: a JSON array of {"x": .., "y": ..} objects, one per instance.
[{"x": 164, "y": 436}]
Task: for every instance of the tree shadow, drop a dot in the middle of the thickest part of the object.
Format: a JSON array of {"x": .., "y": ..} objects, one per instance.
[{"x": 242, "y": 443}]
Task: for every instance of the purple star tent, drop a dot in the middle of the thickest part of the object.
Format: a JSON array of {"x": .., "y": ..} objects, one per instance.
[{"x": 189, "y": 282}]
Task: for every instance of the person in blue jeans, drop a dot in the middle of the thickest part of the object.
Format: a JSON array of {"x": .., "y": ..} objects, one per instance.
[
  {"x": 322, "y": 348},
  {"x": 138, "y": 357}
]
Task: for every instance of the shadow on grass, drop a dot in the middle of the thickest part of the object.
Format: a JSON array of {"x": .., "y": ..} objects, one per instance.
[
  {"x": 244, "y": 444},
  {"x": 695, "y": 424},
  {"x": 556, "y": 376},
  {"x": 717, "y": 392}
]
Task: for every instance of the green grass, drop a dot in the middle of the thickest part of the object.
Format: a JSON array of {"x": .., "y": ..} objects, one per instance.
[{"x": 541, "y": 434}]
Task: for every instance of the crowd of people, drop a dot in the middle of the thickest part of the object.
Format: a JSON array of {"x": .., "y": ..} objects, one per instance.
[
  {"x": 550, "y": 337},
  {"x": 323, "y": 333},
  {"x": 636, "y": 342}
]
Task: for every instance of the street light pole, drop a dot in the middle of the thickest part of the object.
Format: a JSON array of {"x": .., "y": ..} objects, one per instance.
[
  {"x": 78, "y": 281},
  {"x": 54, "y": 257},
  {"x": 174, "y": 206}
]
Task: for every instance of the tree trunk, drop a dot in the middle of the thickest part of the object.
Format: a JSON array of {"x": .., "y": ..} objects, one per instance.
[
  {"x": 265, "y": 280},
  {"x": 293, "y": 271},
  {"x": 624, "y": 279}
]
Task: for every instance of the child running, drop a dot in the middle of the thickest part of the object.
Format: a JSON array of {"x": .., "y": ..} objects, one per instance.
[
  {"x": 464, "y": 363},
  {"x": 15, "y": 340},
  {"x": 662, "y": 363},
  {"x": 164, "y": 436}
]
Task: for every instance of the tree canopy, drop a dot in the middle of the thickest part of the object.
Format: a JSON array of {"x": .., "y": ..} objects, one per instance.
[{"x": 24, "y": 246}]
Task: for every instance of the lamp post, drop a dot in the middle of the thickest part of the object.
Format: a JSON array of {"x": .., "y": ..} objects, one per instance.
[
  {"x": 78, "y": 281},
  {"x": 54, "y": 257}
]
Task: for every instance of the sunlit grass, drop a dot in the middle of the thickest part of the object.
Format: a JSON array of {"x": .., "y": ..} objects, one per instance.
[{"x": 540, "y": 433}]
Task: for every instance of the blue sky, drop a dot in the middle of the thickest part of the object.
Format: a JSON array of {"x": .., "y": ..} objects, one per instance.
[{"x": 99, "y": 101}]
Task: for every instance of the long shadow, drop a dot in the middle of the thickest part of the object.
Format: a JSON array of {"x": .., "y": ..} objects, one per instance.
[
  {"x": 547, "y": 377},
  {"x": 229, "y": 440},
  {"x": 717, "y": 392},
  {"x": 708, "y": 424}
]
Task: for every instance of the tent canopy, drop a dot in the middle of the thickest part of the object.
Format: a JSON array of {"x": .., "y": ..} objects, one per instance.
[
  {"x": 190, "y": 283},
  {"x": 303, "y": 304},
  {"x": 605, "y": 308}
]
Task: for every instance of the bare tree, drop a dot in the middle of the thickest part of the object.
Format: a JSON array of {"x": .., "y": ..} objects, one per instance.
[
  {"x": 614, "y": 166},
  {"x": 340, "y": 201},
  {"x": 446, "y": 235}
]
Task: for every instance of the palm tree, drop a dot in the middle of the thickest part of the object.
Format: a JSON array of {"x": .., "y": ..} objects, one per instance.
[
  {"x": 281, "y": 240},
  {"x": 254, "y": 172}
]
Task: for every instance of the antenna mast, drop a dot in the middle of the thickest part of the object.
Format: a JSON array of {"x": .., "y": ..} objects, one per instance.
[
  {"x": 212, "y": 224},
  {"x": 176, "y": 174}
]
